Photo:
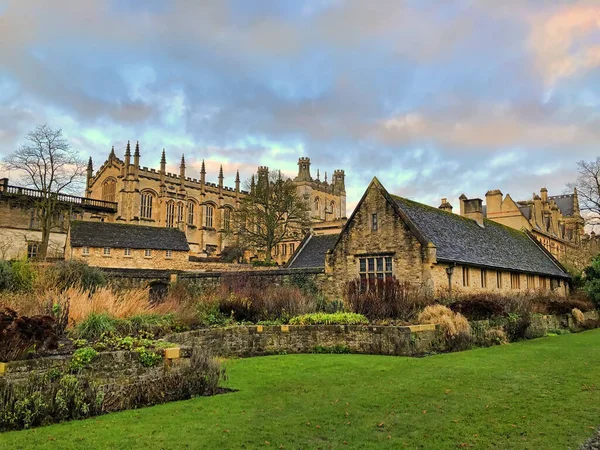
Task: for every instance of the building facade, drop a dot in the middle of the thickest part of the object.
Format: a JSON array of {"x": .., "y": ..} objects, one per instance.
[
  {"x": 201, "y": 209},
  {"x": 555, "y": 221},
  {"x": 116, "y": 245},
  {"x": 389, "y": 236}
]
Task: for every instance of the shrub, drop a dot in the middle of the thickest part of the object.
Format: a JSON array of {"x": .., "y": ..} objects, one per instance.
[
  {"x": 452, "y": 324},
  {"x": 7, "y": 280},
  {"x": 148, "y": 358},
  {"x": 491, "y": 337},
  {"x": 336, "y": 349},
  {"x": 76, "y": 273},
  {"x": 23, "y": 275},
  {"x": 329, "y": 319},
  {"x": 81, "y": 358},
  {"x": 578, "y": 316},
  {"x": 95, "y": 325},
  {"x": 562, "y": 305},
  {"x": 479, "y": 306},
  {"x": 20, "y": 335},
  {"x": 43, "y": 399},
  {"x": 385, "y": 299},
  {"x": 591, "y": 284}
]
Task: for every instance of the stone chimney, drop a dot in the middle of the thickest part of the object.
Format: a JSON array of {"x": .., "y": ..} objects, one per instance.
[
  {"x": 462, "y": 200},
  {"x": 473, "y": 208},
  {"x": 493, "y": 202},
  {"x": 445, "y": 205}
]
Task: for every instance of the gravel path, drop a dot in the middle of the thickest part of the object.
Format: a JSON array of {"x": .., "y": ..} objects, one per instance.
[{"x": 592, "y": 443}]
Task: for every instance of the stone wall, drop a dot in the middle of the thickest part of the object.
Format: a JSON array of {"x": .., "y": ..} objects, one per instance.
[{"x": 263, "y": 340}]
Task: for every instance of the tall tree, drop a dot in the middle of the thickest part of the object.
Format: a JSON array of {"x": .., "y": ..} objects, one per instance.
[
  {"x": 270, "y": 213},
  {"x": 588, "y": 190},
  {"x": 47, "y": 163}
]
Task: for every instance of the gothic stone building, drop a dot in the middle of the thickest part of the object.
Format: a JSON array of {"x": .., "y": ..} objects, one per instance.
[
  {"x": 199, "y": 208},
  {"x": 390, "y": 236},
  {"x": 555, "y": 221}
]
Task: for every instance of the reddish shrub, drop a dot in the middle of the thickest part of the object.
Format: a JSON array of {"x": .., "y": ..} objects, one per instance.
[
  {"x": 479, "y": 306},
  {"x": 386, "y": 299},
  {"x": 19, "y": 335}
]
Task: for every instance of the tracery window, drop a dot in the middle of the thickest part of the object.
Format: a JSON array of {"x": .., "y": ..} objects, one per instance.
[
  {"x": 109, "y": 188},
  {"x": 179, "y": 213},
  {"x": 146, "y": 205},
  {"x": 170, "y": 214},
  {"x": 191, "y": 213},
  {"x": 209, "y": 215}
]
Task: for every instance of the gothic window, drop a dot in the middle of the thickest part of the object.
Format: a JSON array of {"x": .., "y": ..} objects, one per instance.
[
  {"x": 209, "y": 215},
  {"x": 179, "y": 213},
  {"x": 227, "y": 219},
  {"x": 317, "y": 205},
  {"x": 109, "y": 188},
  {"x": 334, "y": 215},
  {"x": 146, "y": 205},
  {"x": 191, "y": 213},
  {"x": 170, "y": 214}
]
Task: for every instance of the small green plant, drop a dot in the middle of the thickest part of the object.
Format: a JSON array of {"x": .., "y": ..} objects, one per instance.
[
  {"x": 82, "y": 357},
  {"x": 329, "y": 319},
  {"x": 148, "y": 358},
  {"x": 96, "y": 324}
]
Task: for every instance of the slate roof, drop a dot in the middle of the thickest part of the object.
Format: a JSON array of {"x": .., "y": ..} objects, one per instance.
[
  {"x": 462, "y": 240},
  {"x": 566, "y": 203},
  {"x": 116, "y": 235},
  {"x": 311, "y": 253}
]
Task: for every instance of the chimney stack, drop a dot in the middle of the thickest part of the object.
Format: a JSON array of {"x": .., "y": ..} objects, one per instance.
[
  {"x": 493, "y": 202},
  {"x": 445, "y": 205},
  {"x": 473, "y": 209}
]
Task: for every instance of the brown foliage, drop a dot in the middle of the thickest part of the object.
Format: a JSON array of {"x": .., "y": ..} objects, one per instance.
[
  {"x": 452, "y": 324},
  {"x": 19, "y": 335},
  {"x": 386, "y": 299}
]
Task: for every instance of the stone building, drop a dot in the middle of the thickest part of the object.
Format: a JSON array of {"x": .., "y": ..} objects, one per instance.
[
  {"x": 119, "y": 245},
  {"x": 390, "y": 236},
  {"x": 199, "y": 208},
  {"x": 555, "y": 221},
  {"x": 20, "y": 233}
]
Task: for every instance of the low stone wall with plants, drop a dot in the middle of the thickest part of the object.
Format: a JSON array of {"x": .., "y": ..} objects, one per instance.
[
  {"x": 264, "y": 340},
  {"x": 57, "y": 388}
]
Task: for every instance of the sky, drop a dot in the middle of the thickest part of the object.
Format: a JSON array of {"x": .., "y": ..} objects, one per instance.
[{"x": 435, "y": 98}]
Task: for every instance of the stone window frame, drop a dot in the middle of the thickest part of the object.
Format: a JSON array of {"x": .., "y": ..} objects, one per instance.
[
  {"x": 148, "y": 253},
  {"x": 484, "y": 278},
  {"x": 169, "y": 254},
  {"x": 530, "y": 281},
  {"x": 543, "y": 283},
  {"x": 374, "y": 222},
  {"x": 106, "y": 251},
  {"x": 127, "y": 252},
  {"x": 227, "y": 211},
  {"x": 191, "y": 219},
  {"x": 292, "y": 248},
  {"x": 283, "y": 250},
  {"x": 33, "y": 249},
  {"x": 375, "y": 267},
  {"x": 170, "y": 215},
  {"x": 109, "y": 189},
  {"x": 276, "y": 250},
  {"x": 499, "y": 279},
  {"x": 146, "y": 204},
  {"x": 209, "y": 215},
  {"x": 515, "y": 280},
  {"x": 466, "y": 276},
  {"x": 180, "y": 213},
  {"x": 85, "y": 251}
]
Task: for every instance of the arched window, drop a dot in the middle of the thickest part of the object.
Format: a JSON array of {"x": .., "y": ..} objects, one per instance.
[
  {"x": 191, "y": 213},
  {"x": 146, "y": 205},
  {"x": 333, "y": 214},
  {"x": 317, "y": 206},
  {"x": 179, "y": 213},
  {"x": 227, "y": 219},
  {"x": 209, "y": 215},
  {"x": 109, "y": 188},
  {"x": 170, "y": 214}
]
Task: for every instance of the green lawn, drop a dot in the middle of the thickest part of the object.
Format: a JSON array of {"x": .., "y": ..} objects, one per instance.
[{"x": 541, "y": 394}]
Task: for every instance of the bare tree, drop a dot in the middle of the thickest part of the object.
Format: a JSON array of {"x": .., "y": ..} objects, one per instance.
[
  {"x": 272, "y": 211},
  {"x": 48, "y": 164},
  {"x": 588, "y": 190}
]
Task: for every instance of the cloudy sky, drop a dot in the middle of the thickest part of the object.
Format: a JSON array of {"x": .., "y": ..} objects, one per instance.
[{"x": 435, "y": 98}]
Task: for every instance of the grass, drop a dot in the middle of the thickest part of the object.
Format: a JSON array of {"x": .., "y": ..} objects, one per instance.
[{"x": 537, "y": 394}]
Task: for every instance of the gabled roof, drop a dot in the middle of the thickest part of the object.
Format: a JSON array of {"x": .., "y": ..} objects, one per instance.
[
  {"x": 462, "y": 240},
  {"x": 311, "y": 252},
  {"x": 566, "y": 203},
  {"x": 116, "y": 235}
]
